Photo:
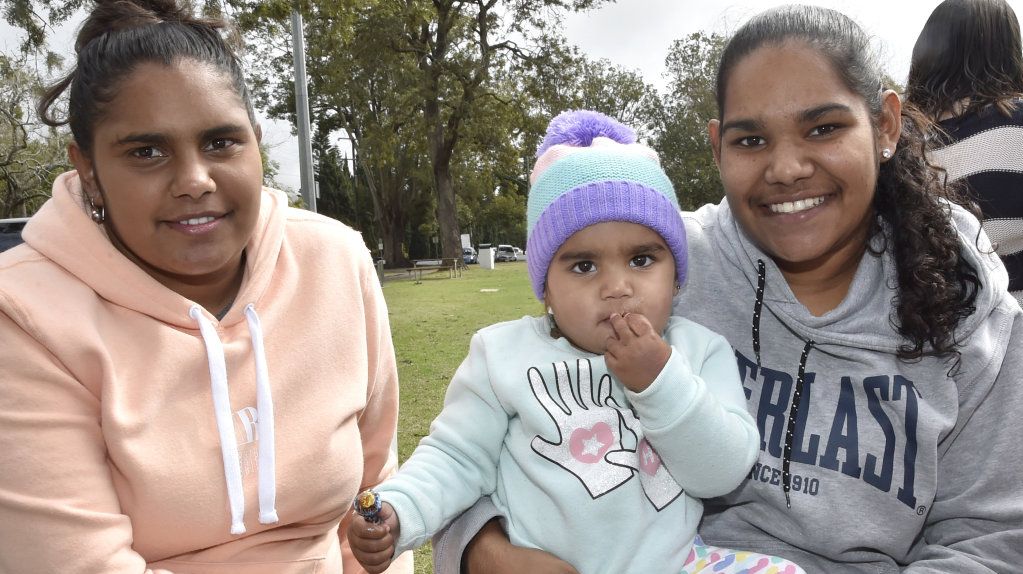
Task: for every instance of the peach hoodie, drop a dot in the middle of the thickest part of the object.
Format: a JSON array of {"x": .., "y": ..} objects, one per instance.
[{"x": 140, "y": 434}]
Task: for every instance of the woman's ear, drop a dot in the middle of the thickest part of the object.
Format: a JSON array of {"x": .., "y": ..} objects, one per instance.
[
  {"x": 86, "y": 171},
  {"x": 889, "y": 126},
  {"x": 714, "y": 133}
]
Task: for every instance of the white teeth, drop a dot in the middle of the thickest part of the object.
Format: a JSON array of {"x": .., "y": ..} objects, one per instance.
[
  {"x": 796, "y": 206},
  {"x": 197, "y": 220}
]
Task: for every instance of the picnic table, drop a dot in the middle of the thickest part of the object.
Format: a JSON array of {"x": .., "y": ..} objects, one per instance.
[{"x": 453, "y": 265}]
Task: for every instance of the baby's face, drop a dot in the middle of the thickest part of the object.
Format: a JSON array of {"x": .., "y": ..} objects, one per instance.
[{"x": 606, "y": 268}]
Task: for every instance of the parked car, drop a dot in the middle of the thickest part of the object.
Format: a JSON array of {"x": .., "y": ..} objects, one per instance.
[
  {"x": 504, "y": 253},
  {"x": 520, "y": 255},
  {"x": 10, "y": 232},
  {"x": 469, "y": 255}
]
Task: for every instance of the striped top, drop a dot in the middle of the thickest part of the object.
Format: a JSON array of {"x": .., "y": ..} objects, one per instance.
[{"x": 987, "y": 150}]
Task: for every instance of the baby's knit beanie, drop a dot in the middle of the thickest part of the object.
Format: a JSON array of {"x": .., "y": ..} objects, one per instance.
[{"x": 589, "y": 170}]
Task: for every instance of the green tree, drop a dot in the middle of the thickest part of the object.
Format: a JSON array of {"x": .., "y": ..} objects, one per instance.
[
  {"x": 679, "y": 120},
  {"x": 31, "y": 156}
]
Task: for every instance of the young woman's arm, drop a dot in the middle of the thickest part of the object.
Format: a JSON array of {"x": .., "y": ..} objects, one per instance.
[
  {"x": 60, "y": 510},
  {"x": 976, "y": 521}
]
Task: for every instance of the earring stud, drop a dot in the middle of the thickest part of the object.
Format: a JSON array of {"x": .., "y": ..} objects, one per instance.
[{"x": 886, "y": 153}]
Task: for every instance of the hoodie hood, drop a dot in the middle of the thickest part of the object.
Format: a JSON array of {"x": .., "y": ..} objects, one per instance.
[{"x": 64, "y": 232}]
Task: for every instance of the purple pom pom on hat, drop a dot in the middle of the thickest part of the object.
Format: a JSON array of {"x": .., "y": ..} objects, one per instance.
[{"x": 589, "y": 170}]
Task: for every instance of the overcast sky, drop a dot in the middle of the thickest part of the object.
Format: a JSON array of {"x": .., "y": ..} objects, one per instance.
[{"x": 636, "y": 34}]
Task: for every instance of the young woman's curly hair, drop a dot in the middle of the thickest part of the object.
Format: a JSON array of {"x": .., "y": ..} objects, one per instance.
[{"x": 937, "y": 286}]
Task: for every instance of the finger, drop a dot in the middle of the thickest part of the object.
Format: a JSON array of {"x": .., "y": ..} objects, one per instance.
[
  {"x": 371, "y": 540},
  {"x": 621, "y": 327},
  {"x": 539, "y": 386},
  {"x": 584, "y": 384},
  {"x": 360, "y": 528},
  {"x": 374, "y": 551},
  {"x": 638, "y": 324},
  {"x": 373, "y": 563},
  {"x": 564, "y": 384}
]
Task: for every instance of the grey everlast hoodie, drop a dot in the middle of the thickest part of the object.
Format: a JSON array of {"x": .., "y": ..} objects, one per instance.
[
  {"x": 913, "y": 467},
  {"x": 892, "y": 466}
]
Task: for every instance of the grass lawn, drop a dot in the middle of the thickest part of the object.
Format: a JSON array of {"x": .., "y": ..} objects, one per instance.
[{"x": 431, "y": 324}]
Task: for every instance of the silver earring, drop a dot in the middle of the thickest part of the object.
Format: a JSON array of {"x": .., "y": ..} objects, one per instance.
[
  {"x": 98, "y": 214},
  {"x": 555, "y": 332},
  {"x": 886, "y": 153}
]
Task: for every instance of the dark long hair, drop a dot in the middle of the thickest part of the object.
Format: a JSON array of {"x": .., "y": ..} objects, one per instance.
[
  {"x": 118, "y": 36},
  {"x": 937, "y": 287},
  {"x": 967, "y": 49}
]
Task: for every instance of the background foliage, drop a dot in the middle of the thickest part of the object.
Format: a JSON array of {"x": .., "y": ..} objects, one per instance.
[{"x": 426, "y": 115}]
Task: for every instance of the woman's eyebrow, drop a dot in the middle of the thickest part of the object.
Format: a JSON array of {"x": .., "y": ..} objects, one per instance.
[
  {"x": 745, "y": 125},
  {"x": 221, "y": 131},
  {"x": 816, "y": 112},
  {"x": 142, "y": 138}
]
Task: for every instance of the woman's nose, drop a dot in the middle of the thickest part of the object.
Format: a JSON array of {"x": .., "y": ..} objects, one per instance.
[
  {"x": 193, "y": 177},
  {"x": 788, "y": 163}
]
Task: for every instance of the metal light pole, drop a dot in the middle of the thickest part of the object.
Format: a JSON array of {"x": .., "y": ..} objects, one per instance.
[{"x": 305, "y": 146}]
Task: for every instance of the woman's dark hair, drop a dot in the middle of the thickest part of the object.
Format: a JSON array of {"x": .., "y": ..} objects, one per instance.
[
  {"x": 121, "y": 34},
  {"x": 937, "y": 287},
  {"x": 967, "y": 49}
]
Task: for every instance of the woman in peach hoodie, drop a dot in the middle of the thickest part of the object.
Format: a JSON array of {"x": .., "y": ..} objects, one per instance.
[{"x": 194, "y": 377}]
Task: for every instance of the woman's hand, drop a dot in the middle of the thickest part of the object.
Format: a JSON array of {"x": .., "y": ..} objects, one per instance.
[
  {"x": 373, "y": 542},
  {"x": 490, "y": 552}
]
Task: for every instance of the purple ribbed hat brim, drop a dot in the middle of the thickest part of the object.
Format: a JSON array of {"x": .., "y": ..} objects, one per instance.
[{"x": 597, "y": 203}]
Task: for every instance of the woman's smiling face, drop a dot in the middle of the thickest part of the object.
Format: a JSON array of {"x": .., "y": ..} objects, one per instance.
[
  {"x": 175, "y": 164},
  {"x": 799, "y": 155}
]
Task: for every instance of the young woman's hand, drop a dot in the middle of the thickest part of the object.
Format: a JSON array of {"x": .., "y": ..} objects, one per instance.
[
  {"x": 373, "y": 542},
  {"x": 490, "y": 552},
  {"x": 637, "y": 353}
]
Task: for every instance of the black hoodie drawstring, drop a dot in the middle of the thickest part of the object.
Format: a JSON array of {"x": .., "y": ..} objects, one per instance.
[
  {"x": 758, "y": 305},
  {"x": 797, "y": 394}
]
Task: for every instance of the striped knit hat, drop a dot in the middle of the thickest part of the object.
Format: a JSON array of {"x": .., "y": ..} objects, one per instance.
[{"x": 589, "y": 170}]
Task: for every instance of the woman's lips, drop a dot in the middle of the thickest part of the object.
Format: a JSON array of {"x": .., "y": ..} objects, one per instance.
[{"x": 197, "y": 224}]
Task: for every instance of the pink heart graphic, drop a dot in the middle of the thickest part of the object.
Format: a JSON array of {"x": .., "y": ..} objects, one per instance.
[
  {"x": 589, "y": 445},
  {"x": 649, "y": 461}
]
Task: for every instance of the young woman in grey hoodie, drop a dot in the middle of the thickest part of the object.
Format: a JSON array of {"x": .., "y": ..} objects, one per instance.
[{"x": 879, "y": 348}]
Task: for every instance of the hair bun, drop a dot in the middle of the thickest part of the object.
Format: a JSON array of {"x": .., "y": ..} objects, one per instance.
[
  {"x": 113, "y": 15},
  {"x": 580, "y": 127}
]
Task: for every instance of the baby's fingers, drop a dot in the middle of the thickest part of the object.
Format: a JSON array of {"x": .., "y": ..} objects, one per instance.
[
  {"x": 638, "y": 324},
  {"x": 372, "y": 544},
  {"x": 621, "y": 327}
]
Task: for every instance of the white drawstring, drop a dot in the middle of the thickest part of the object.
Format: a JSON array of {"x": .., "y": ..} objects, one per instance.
[
  {"x": 264, "y": 423},
  {"x": 225, "y": 424}
]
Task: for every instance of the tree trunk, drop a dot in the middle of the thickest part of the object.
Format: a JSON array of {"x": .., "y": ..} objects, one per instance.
[{"x": 447, "y": 216}]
